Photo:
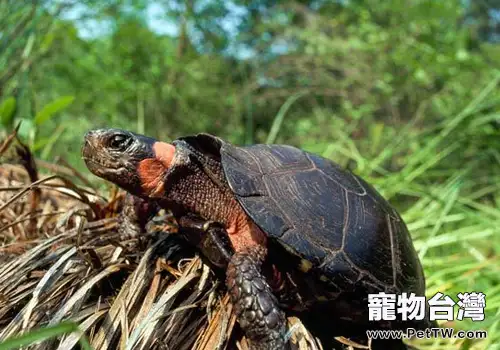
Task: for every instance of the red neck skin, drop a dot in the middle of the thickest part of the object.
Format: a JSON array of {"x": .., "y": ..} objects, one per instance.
[{"x": 152, "y": 170}]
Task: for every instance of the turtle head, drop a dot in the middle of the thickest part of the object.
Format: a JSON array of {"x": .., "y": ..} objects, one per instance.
[{"x": 134, "y": 162}]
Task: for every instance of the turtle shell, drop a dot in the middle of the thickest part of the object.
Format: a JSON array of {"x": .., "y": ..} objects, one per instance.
[{"x": 333, "y": 220}]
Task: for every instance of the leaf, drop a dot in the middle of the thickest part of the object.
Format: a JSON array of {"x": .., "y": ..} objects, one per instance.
[
  {"x": 7, "y": 109},
  {"x": 47, "y": 41},
  {"x": 376, "y": 133},
  {"x": 48, "y": 143},
  {"x": 42, "y": 334},
  {"x": 26, "y": 129},
  {"x": 52, "y": 108},
  {"x": 29, "y": 46}
]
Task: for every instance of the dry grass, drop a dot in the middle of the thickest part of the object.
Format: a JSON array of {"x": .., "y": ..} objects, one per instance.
[{"x": 62, "y": 258}]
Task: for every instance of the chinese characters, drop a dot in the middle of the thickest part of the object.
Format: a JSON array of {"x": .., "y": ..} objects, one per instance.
[{"x": 384, "y": 306}]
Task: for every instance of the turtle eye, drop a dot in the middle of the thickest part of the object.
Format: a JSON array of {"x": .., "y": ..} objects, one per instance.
[{"x": 119, "y": 141}]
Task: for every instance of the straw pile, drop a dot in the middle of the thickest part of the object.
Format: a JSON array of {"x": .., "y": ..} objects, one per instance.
[{"x": 62, "y": 258}]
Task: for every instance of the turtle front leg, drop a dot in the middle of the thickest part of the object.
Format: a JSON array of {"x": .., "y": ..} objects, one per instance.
[
  {"x": 256, "y": 307},
  {"x": 209, "y": 236},
  {"x": 135, "y": 214}
]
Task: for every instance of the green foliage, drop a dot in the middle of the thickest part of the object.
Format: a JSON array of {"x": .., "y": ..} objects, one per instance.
[
  {"x": 52, "y": 108},
  {"x": 44, "y": 334},
  {"x": 7, "y": 109}
]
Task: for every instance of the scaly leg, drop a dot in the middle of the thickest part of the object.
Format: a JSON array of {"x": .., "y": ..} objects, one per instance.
[{"x": 256, "y": 307}]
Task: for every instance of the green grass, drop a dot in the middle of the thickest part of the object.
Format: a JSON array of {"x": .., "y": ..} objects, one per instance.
[{"x": 43, "y": 334}]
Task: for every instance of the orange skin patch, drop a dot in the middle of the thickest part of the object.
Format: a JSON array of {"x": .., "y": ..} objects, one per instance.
[
  {"x": 152, "y": 170},
  {"x": 243, "y": 233},
  {"x": 164, "y": 152}
]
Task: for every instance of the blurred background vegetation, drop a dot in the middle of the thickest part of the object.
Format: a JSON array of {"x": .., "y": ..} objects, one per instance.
[{"x": 402, "y": 92}]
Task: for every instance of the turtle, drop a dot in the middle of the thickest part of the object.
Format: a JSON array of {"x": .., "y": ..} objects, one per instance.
[{"x": 295, "y": 233}]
